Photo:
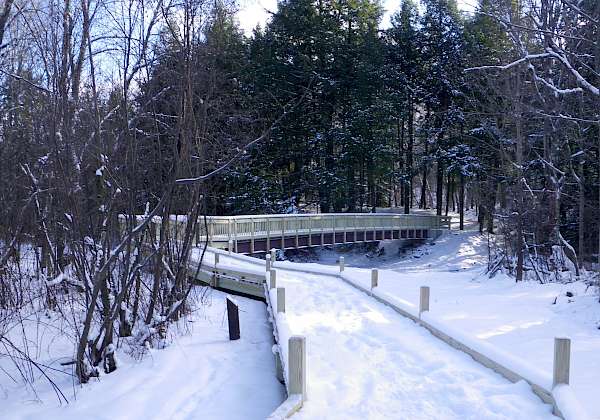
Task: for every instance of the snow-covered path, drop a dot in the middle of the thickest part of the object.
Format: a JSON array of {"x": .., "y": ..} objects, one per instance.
[
  {"x": 366, "y": 361},
  {"x": 519, "y": 319}
]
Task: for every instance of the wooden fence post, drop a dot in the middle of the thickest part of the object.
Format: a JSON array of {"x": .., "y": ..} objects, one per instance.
[
  {"x": 424, "y": 300},
  {"x": 374, "y": 278},
  {"x": 233, "y": 319},
  {"x": 273, "y": 256},
  {"x": 273, "y": 279},
  {"x": 215, "y": 277},
  {"x": 267, "y": 262},
  {"x": 209, "y": 234},
  {"x": 297, "y": 365},
  {"x": 280, "y": 300},
  {"x": 341, "y": 264},
  {"x": 562, "y": 361}
]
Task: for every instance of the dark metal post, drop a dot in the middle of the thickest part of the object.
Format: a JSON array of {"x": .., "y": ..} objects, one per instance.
[{"x": 233, "y": 319}]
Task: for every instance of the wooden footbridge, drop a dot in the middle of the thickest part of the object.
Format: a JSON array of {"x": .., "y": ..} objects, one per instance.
[
  {"x": 254, "y": 234},
  {"x": 232, "y": 236},
  {"x": 224, "y": 267}
]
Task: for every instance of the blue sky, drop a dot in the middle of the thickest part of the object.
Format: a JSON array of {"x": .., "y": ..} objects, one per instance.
[{"x": 253, "y": 12}]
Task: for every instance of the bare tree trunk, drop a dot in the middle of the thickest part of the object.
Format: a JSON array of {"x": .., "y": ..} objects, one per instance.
[
  {"x": 4, "y": 20},
  {"x": 423, "y": 203},
  {"x": 581, "y": 228},
  {"x": 401, "y": 165},
  {"x": 158, "y": 267},
  {"x": 408, "y": 181},
  {"x": 461, "y": 202},
  {"x": 449, "y": 192},
  {"x": 439, "y": 191},
  {"x": 520, "y": 245}
]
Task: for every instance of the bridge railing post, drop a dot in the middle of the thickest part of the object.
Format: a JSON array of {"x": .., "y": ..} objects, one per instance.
[
  {"x": 252, "y": 236},
  {"x": 310, "y": 230},
  {"x": 333, "y": 227},
  {"x": 229, "y": 230},
  {"x": 374, "y": 228},
  {"x": 268, "y": 223},
  {"x": 283, "y": 233},
  {"x": 268, "y": 262},
  {"x": 235, "y": 231},
  {"x": 322, "y": 224},
  {"x": 272, "y": 279},
  {"x": 210, "y": 232}
]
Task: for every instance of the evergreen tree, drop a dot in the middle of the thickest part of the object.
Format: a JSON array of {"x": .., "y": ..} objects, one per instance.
[
  {"x": 403, "y": 86},
  {"x": 442, "y": 47}
]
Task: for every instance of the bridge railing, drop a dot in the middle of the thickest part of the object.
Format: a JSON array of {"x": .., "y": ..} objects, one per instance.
[
  {"x": 226, "y": 228},
  {"x": 222, "y": 229}
]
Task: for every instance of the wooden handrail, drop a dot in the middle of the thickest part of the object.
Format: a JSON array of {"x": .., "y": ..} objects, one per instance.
[{"x": 253, "y": 227}]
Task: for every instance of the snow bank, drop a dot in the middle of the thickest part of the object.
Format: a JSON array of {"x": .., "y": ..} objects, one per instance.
[
  {"x": 509, "y": 366},
  {"x": 201, "y": 375},
  {"x": 569, "y": 405}
]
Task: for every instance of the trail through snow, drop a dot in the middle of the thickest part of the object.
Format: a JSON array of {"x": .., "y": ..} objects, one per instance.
[
  {"x": 520, "y": 319},
  {"x": 365, "y": 361}
]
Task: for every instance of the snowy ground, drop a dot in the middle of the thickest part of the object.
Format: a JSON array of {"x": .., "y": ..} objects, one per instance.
[
  {"x": 520, "y": 319},
  {"x": 365, "y": 361},
  {"x": 200, "y": 375}
]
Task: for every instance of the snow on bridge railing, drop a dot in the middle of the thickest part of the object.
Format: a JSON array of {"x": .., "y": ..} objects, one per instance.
[{"x": 233, "y": 228}]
